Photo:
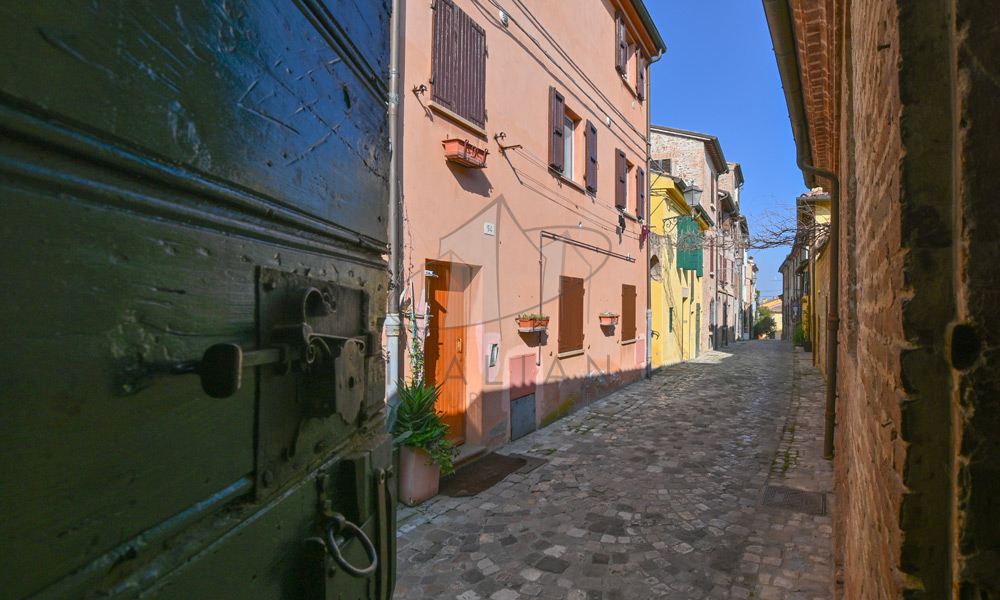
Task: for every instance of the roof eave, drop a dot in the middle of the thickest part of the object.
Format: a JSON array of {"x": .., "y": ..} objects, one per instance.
[
  {"x": 647, "y": 22},
  {"x": 779, "y": 22}
]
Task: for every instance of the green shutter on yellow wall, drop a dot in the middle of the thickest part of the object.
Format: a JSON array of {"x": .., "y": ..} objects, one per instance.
[{"x": 689, "y": 240}]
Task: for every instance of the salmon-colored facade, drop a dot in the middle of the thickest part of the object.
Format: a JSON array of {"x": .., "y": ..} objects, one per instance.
[{"x": 527, "y": 232}]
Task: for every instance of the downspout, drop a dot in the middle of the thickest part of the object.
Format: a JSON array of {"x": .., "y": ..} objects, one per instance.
[
  {"x": 392, "y": 320},
  {"x": 783, "y": 38},
  {"x": 647, "y": 210}
]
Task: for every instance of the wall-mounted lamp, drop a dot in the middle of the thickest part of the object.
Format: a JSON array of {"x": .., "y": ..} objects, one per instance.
[{"x": 692, "y": 195}]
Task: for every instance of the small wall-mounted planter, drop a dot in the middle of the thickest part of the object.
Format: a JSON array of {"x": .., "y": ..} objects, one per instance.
[
  {"x": 530, "y": 324},
  {"x": 464, "y": 153},
  {"x": 609, "y": 320}
]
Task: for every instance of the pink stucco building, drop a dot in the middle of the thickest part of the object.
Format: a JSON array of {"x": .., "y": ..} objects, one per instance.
[{"x": 523, "y": 166}]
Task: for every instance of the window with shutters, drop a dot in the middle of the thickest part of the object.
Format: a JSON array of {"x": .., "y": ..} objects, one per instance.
[
  {"x": 623, "y": 174},
  {"x": 570, "y": 314},
  {"x": 565, "y": 137},
  {"x": 458, "y": 79},
  {"x": 629, "y": 59},
  {"x": 660, "y": 165},
  {"x": 628, "y": 313}
]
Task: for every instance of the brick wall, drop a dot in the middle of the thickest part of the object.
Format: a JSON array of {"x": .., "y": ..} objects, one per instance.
[
  {"x": 914, "y": 133},
  {"x": 870, "y": 452}
]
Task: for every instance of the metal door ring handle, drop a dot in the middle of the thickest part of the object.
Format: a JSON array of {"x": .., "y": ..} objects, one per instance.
[{"x": 340, "y": 523}]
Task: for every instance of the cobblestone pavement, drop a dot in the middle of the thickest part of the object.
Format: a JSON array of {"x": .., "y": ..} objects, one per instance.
[{"x": 655, "y": 491}]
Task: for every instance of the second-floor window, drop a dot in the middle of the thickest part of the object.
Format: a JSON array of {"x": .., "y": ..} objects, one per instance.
[
  {"x": 566, "y": 140},
  {"x": 458, "y": 79},
  {"x": 629, "y": 60}
]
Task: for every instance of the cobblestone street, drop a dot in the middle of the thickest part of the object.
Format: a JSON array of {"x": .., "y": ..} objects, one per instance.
[{"x": 655, "y": 491}]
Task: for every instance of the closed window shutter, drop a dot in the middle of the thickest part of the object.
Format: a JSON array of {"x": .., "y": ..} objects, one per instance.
[
  {"x": 474, "y": 84},
  {"x": 621, "y": 44},
  {"x": 570, "y": 314},
  {"x": 557, "y": 110},
  {"x": 640, "y": 80},
  {"x": 640, "y": 193},
  {"x": 628, "y": 312},
  {"x": 444, "y": 68},
  {"x": 591, "y": 178},
  {"x": 620, "y": 183},
  {"x": 458, "y": 70}
]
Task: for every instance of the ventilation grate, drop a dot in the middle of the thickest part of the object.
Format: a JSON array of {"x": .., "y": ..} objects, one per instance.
[{"x": 811, "y": 503}]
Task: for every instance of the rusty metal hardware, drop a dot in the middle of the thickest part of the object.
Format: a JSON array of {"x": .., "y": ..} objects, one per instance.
[
  {"x": 221, "y": 366},
  {"x": 339, "y": 524},
  {"x": 384, "y": 504}
]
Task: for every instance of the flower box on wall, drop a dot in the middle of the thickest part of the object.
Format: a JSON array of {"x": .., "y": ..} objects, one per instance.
[
  {"x": 608, "y": 319},
  {"x": 527, "y": 323},
  {"x": 464, "y": 153}
]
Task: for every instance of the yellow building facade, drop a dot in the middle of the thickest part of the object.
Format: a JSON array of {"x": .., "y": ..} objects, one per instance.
[
  {"x": 814, "y": 209},
  {"x": 675, "y": 291}
]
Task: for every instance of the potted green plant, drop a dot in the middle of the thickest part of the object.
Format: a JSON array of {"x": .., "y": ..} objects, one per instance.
[
  {"x": 608, "y": 318},
  {"x": 425, "y": 451},
  {"x": 800, "y": 335},
  {"x": 532, "y": 321}
]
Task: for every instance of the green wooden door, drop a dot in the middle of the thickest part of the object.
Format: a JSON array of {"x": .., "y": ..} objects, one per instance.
[{"x": 175, "y": 176}]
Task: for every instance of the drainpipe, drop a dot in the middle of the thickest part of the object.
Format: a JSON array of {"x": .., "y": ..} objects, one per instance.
[
  {"x": 392, "y": 320},
  {"x": 649, "y": 202},
  {"x": 783, "y": 38}
]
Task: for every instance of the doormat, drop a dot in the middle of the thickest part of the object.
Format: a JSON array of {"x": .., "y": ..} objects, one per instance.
[
  {"x": 778, "y": 496},
  {"x": 480, "y": 475},
  {"x": 531, "y": 462}
]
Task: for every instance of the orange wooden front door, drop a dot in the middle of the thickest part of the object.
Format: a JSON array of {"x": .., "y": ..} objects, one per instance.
[{"x": 444, "y": 348}]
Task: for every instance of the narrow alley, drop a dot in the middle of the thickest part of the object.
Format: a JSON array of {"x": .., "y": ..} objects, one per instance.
[{"x": 674, "y": 487}]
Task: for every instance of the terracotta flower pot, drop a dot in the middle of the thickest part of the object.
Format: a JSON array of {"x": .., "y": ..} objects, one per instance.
[
  {"x": 533, "y": 323},
  {"x": 465, "y": 153},
  {"x": 418, "y": 480},
  {"x": 609, "y": 319}
]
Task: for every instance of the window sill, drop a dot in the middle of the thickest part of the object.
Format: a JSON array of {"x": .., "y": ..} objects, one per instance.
[
  {"x": 629, "y": 86},
  {"x": 570, "y": 353},
  {"x": 567, "y": 181},
  {"x": 458, "y": 119},
  {"x": 628, "y": 342},
  {"x": 629, "y": 215}
]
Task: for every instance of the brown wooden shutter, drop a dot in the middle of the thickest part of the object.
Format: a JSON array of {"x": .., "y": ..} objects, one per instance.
[
  {"x": 444, "y": 67},
  {"x": 621, "y": 170},
  {"x": 640, "y": 193},
  {"x": 591, "y": 177},
  {"x": 570, "y": 314},
  {"x": 628, "y": 312},
  {"x": 458, "y": 70},
  {"x": 621, "y": 44},
  {"x": 557, "y": 112},
  {"x": 473, "y": 75},
  {"x": 640, "y": 79}
]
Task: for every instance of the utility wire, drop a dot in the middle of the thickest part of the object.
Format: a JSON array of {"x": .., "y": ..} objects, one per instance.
[{"x": 641, "y": 151}]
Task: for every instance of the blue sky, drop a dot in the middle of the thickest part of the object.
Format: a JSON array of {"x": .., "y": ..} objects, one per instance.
[{"x": 719, "y": 77}]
